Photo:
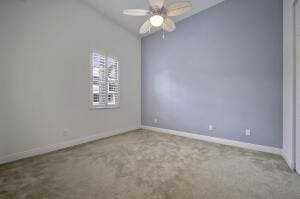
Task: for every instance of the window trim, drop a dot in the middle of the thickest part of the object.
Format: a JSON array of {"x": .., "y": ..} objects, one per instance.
[{"x": 91, "y": 97}]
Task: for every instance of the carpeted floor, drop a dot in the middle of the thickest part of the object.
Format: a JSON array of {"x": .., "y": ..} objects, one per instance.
[{"x": 144, "y": 164}]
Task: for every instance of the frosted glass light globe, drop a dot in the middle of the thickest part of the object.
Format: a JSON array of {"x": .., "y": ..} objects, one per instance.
[{"x": 156, "y": 20}]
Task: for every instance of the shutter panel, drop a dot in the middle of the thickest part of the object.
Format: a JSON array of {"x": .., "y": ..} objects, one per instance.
[
  {"x": 105, "y": 88},
  {"x": 98, "y": 79},
  {"x": 113, "y": 93}
]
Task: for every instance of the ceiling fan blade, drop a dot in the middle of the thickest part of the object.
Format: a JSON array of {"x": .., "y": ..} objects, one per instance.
[
  {"x": 136, "y": 12},
  {"x": 178, "y": 8},
  {"x": 145, "y": 27},
  {"x": 168, "y": 25},
  {"x": 156, "y": 4}
]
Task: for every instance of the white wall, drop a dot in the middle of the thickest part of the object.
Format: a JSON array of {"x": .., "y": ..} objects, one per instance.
[
  {"x": 44, "y": 50},
  {"x": 298, "y": 87},
  {"x": 288, "y": 82},
  {"x": 3, "y": 101},
  {"x": 3, "y": 117}
]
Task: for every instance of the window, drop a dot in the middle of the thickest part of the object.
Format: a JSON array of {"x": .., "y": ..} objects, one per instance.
[{"x": 105, "y": 91}]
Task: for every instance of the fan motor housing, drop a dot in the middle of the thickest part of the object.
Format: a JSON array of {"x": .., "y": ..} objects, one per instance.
[{"x": 158, "y": 11}]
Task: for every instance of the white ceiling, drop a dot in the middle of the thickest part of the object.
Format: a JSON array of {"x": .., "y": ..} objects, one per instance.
[{"x": 113, "y": 10}]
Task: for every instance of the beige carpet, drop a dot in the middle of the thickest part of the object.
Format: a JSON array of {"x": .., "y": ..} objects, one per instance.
[{"x": 144, "y": 164}]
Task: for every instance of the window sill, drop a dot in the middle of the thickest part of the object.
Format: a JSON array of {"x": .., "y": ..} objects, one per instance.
[{"x": 99, "y": 108}]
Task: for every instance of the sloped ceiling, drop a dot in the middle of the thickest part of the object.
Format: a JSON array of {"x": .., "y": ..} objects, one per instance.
[{"x": 113, "y": 10}]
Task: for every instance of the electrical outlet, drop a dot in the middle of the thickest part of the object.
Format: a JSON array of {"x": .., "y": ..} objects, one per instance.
[
  {"x": 210, "y": 127},
  {"x": 248, "y": 132},
  {"x": 155, "y": 120},
  {"x": 65, "y": 133}
]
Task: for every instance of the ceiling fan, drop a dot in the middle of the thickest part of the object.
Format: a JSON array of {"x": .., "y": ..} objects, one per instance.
[{"x": 159, "y": 14}]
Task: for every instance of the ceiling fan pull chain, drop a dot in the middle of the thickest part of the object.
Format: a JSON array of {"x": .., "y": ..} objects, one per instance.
[{"x": 163, "y": 32}]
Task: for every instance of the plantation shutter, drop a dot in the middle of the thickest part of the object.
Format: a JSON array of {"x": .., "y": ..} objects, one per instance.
[
  {"x": 99, "y": 80},
  {"x": 105, "y": 91},
  {"x": 113, "y": 81}
]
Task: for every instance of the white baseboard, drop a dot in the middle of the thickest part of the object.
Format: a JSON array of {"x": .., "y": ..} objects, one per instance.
[
  {"x": 63, "y": 145},
  {"x": 289, "y": 161},
  {"x": 255, "y": 147}
]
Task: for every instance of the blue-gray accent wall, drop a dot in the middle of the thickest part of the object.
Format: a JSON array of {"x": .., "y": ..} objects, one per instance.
[{"x": 223, "y": 67}]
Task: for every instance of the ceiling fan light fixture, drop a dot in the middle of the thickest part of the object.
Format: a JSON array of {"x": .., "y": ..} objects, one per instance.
[
  {"x": 159, "y": 14},
  {"x": 156, "y": 20}
]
